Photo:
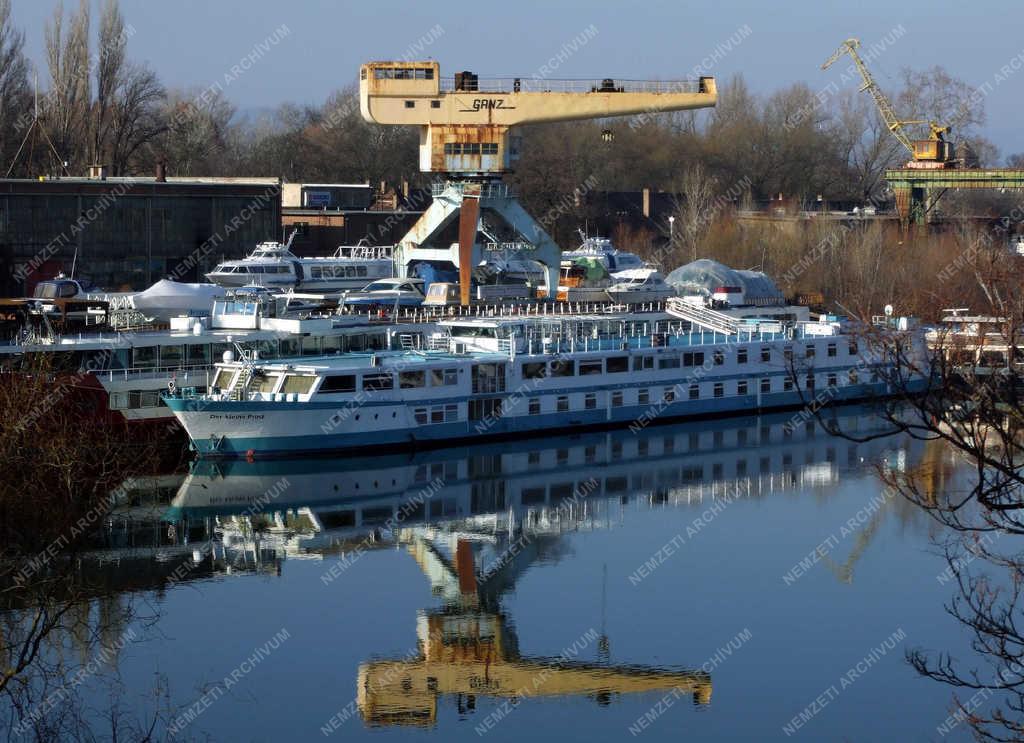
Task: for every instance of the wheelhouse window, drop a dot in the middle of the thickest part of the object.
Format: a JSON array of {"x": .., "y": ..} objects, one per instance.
[
  {"x": 641, "y": 363},
  {"x": 223, "y": 379},
  {"x": 534, "y": 370},
  {"x": 264, "y": 382},
  {"x": 617, "y": 364},
  {"x": 298, "y": 383},
  {"x": 443, "y": 377},
  {"x": 408, "y": 380},
  {"x": 339, "y": 383},
  {"x": 590, "y": 367},
  {"x": 378, "y": 382},
  {"x": 563, "y": 368}
]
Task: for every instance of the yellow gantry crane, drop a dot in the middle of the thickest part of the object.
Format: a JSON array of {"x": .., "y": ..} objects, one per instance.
[
  {"x": 467, "y": 135},
  {"x": 934, "y": 152}
]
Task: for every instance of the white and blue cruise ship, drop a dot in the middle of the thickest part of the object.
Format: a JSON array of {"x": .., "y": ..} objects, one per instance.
[{"x": 483, "y": 378}]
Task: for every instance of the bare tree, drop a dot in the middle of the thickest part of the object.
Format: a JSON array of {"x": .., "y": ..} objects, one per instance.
[
  {"x": 110, "y": 64},
  {"x": 69, "y": 99},
  {"x": 14, "y": 89},
  {"x": 695, "y": 213}
]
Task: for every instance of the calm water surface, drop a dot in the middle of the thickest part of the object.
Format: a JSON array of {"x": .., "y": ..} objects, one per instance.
[{"x": 615, "y": 586}]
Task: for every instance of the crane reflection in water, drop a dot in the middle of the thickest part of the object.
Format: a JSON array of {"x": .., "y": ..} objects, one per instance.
[{"x": 490, "y": 514}]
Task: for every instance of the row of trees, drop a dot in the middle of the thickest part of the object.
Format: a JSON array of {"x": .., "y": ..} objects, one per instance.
[{"x": 101, "y": 107}]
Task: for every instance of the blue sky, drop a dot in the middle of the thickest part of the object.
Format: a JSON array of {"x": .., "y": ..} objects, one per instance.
[{"x": 195, "y": 42}]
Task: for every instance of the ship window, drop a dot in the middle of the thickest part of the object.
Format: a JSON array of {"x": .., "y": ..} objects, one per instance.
[
  {"x": 223, "y": 379},
  {"x": 300, "y": 383},
  {"x": 668, "y": 362},
  {"x": 853, "y": 348},
  {"x": 766, "y": 354},
  {"x": 809, "y": 351},
  {"x": 534, "y": 370},
  {"x": 694, "y": 391},
  {"x": 144, "y": 357},
  {"x": 590, "y": 400},
  {"x": 563, "y": 404},
  {"x": 534, "y": 406},
  {"x": 669, "y": 394},
  {"x": 199, "y": 354},
  {"x": 787, "y": 353},
  {"x": 590, "y": 367},
  {"x": 420, "y": 414},
  {"x": 643, "y": 362},
  {"x": 643, "y": 396},
  {"x": 832, "y": 380},
  {"x": 437, "y": 414},
  {"x": 331, "y": 344},
  {"x": 441, "y": 377},
  {"x": 378, "y": 382},
  {"x": 719, "y": 389},
  {"x": 766, "y": 385},
  {"x": 360, "y": 270},
  {"x": 435, "y": 104},
  {"x": 787, "y": 384},
  {"x": 741, "y": 356},
  {"x": 339, "y": 383},
  {"x": 264, "y": 383},
  {"x": 310, "y": 346},
  {"x": 316, "y": 273},
  {"x": 410, "y": 104},
  {"x": 410, "y": 379},
  {"x": 719, "y": 357},
  {"x": 810, "y": 382},
  {"x": 616, "y": 364},
  {"x": 831, "y": 349},
  {"x": 489, "y": 148},
  {"x": 171, "y": 355},
  {"x": 852, "y": 374},
  {"x": 693, "y": 359},
  {"x": 451, "y": 413},
  {"x": 741, "y": 388},
  {"x": 617, "y": 399},
  {"x": 563, "y": 368}
]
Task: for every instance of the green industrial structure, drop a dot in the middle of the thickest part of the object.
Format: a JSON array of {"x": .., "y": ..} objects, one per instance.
[{"x": 917, "y": 190}]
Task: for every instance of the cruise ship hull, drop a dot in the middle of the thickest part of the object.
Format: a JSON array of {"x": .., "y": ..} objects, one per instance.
[{"x": 238, "y": 429}]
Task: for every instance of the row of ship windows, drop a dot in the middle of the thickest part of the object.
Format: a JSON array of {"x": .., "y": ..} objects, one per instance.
[
  {"x": 336, "y": 272},
  {"x": 619, "y": 364},
  {"x": 450, "y": 413}
]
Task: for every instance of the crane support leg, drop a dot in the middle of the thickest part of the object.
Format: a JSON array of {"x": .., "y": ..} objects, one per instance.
[{"x": 469, "y": 220}]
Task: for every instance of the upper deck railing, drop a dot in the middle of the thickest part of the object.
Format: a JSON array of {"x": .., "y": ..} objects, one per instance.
[{"x": 548, "y": 85}]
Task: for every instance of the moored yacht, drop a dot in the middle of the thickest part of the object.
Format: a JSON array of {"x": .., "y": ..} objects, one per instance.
[{"x": 273, "y": 265}]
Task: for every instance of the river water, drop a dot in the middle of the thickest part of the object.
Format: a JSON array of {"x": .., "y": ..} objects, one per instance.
[{"x": 741, "y": 580}]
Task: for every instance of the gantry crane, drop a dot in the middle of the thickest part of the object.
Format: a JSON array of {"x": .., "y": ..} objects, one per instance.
[
  {"x": 934, "y": 152},
  {"x": 467, "y": 127}
]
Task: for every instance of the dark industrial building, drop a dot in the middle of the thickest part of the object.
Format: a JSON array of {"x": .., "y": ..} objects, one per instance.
[{"x": 126, "y": 233}]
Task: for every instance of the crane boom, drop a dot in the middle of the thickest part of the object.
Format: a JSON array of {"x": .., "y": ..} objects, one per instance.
[{"x": 884, "y": 106}]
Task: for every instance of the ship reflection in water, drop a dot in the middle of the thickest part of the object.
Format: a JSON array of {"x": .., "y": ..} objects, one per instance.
[{"x": 475, "y": 520}]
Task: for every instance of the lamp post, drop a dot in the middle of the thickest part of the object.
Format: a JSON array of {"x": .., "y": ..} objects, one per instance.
[{"x": 672, "y": 230}]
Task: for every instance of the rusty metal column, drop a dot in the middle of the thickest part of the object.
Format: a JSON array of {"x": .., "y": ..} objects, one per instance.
[
  {"x": 902, "y": 194},
  {"x": 469, "y": 216}
]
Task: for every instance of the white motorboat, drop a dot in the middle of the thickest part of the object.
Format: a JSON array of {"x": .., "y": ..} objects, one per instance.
[
  {"x": 272, "y": 264},
  {"x": 639, "y": 285}
]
